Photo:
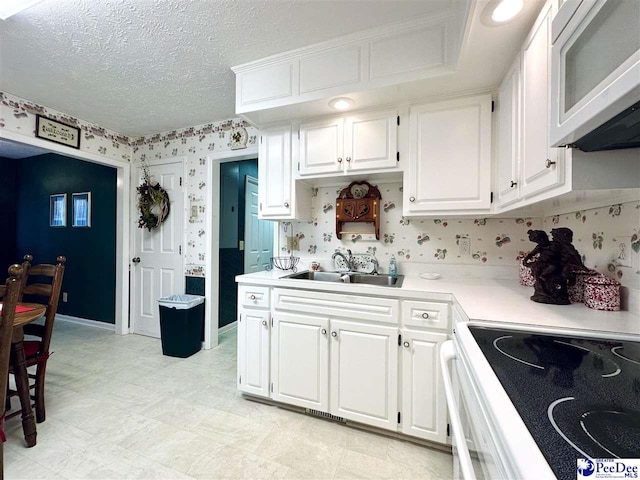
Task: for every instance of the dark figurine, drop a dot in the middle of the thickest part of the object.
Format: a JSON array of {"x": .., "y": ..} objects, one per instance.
[
  {"x": 547, "y": 269},
  {"x": 570, "y": 258}
]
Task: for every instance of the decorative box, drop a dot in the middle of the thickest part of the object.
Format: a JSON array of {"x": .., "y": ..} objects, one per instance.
[
  {"x": 602, "y": 293},
  {"x": 576, "y": 291},
  {"x": 526, "y": 277}
]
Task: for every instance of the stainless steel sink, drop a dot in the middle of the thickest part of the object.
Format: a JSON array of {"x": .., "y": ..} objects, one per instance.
[{"x": 363, "y": 278}]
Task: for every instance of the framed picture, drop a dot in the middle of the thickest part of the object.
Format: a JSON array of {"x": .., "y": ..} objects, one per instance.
[
  {"x": 57, "y": 132},
  {"x": 58, "y": 210},
  {"x": 81, "y": 209}
]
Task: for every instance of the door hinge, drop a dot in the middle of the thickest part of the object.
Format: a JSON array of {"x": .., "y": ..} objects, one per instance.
[
  {"x": 399, "y": 340},
  {"x": 493, "y": 106},
  {"x": 260, "y": 206},
  {"x": 491, "y": 199},
  {"x": 180, "y": 250},
  {"x": 240, "y": 380},
  {"x": 397, "y": 156},
  {"x": 272, "y": 388},
  {"x": 180, "y": 181},
  {"x": 272, "y": 323},
  {"x": 298, "y": 166},
  {"x": 398, "y": 418},
  {"x": 398, "y": 119},
  {"x": 240, "y": 317},
  {"x": 298, "y": 134},
  {"x": 448, "y": 430},
  {"x": 260, "y": 138}
]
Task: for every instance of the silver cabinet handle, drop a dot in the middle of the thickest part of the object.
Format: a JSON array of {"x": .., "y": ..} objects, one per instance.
[
  {"x": 135, "y": 260},
  {"x": 286, "y": 204},
  {"x": 264, "y": 322},
  {"x": 412, "y": 199},
  {"x": 548, "y": 163},
  {"x": 252, "y": 297},
  {"x": 339, "y": 159},
  {"x": 406, "y": 344},
  {"x": 348, "y": 159},
  {"x": 425, "y": 315},
  {"x": 323, "y": 331},
  {"x": 334, "y": 334}
]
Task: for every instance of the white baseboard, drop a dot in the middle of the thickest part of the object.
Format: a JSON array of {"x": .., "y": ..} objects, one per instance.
[
  {"x": 86, "y": 322},
  {"x": 228, "y": 328}
]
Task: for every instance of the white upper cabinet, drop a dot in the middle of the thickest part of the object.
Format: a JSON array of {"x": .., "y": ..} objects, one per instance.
[
  {"x": 321, "y": 147},
  {"x": 541, "y": 167},
  {"x": 360, "y": 142},
  {"x": 280, "y": 198},
  {"x": 371, "y": 141},
  {"x": 449, "y": 168},
  {"x": 508, "y": 130},
  {"x": 596, "y": 65}
]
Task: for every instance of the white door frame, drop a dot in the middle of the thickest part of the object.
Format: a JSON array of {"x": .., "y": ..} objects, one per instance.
[
  {"x": 123, "y": 218},
  {"x": 212, "y": 224},
  {"x": 134, "y": 214}
]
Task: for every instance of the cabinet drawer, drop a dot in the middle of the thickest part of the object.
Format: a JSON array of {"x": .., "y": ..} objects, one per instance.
[
  {"x": 253, "y": 296},
  {"x": 425, "y": 314}
]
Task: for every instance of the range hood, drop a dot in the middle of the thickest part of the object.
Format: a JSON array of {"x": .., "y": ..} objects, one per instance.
[{"x": 622, "y": 131}]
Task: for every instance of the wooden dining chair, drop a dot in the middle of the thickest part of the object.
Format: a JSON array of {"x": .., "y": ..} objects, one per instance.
[
  {"x": 12, "y": 292},
  {"x": 26, "y": 264},
  {"x": 37, "y": 350}
]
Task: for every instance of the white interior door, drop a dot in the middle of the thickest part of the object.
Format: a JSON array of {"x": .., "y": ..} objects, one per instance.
[
  {"x": 258, "y": 234},
  {"x": 157, "y": 264}
]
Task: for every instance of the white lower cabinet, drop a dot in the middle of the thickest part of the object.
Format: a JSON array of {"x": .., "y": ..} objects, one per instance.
[
  {"x": 300, "y": 360},
  {"x": 423, "y": 403},
  {"x": 364, "y": 373},
  {"x": 253, "y": 351}
]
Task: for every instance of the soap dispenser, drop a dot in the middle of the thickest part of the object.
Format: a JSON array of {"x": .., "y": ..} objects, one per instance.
[{"x": 393, "y": 267}]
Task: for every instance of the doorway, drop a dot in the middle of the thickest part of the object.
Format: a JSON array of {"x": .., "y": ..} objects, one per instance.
[{"x": 246, "y": 243}]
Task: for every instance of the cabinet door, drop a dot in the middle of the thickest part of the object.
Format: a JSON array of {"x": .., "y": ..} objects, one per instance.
[
  {"x": 274, "y": 173},
  {"x": 321, "y": 147},
  {"x": 424, "y": 411},
  {"x": 253, "y": 351},
  {"x": 364, "y": 373},
  {"x": 370, "y": 141},
  {"x": 541, "y": 166},
  {"x": 449, "y": 156},
  {"x": 300, "y": 360},
  {"x": 507, "y": 136}
]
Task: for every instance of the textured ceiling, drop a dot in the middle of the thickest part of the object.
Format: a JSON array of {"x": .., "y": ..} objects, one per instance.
[{"x": 147, "y": 66}]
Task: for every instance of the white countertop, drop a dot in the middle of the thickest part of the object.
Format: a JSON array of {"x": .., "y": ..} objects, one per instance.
[{"x": 497, "y": 300}]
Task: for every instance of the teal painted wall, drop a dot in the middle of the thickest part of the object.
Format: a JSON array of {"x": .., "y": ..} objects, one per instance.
[
  {"x": 90, "y": 274},
  {"x": 8, "y": 202}
]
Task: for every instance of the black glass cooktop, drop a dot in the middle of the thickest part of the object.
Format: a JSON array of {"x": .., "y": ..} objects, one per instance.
[{"x": 579, "y": 398}]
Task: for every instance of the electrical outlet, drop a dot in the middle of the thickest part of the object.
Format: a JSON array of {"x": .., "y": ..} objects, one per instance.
[
  {"x": 64, "y": 297},
  {"x": 623, "y": 253},
  {"x": 465, "y": 245},
  {"x": 292, "y": 243}
]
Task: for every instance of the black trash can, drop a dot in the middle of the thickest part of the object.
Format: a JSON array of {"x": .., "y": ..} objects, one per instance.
[{"x": 181, "y": 324}]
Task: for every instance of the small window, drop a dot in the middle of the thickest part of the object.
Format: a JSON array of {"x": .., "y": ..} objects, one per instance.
[
  {"x": 82, "y": 209},
  {"x": 58, "y": 210}
]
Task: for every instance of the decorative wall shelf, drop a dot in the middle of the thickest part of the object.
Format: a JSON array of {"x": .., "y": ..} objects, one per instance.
[{"x": 358, "y": 203}]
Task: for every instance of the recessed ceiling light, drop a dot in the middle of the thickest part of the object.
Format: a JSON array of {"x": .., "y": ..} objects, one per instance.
[
  {"x": 341, "y": 103},
  {"x": 506, "y": 10},
  {"x": 11, "y": 7}
]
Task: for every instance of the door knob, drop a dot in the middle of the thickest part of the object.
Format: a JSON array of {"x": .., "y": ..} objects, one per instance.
[
  {"x": 334, "y": 334},
  {"x": 323, "y": 331},
  {"x": 264, "y": 322},
  {"x": 406, "y": 344},
  {"x": 425, "y": 315},
  {"x": 339, "y": 159},
  {"x": 412, "y": 199},
  {"x": 548, "y": 163},
  {"x": 252, "y": 297},
  {"x": 348, "y": 159},
  {"x": 286, "y": 204},
  {"x": 135, "y": 259}
]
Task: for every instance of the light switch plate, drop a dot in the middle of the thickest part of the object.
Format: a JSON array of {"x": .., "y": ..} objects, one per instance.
[
  {"x": 292, "y": 243},
  {"x": 465, "y": 245},
  {"x": 623, "y": 253}
]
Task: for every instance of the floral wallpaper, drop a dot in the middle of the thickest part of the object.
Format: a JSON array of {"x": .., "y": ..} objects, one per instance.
[
  {"x": 493, "y": 241},
  {"x": 608, "y": 239},
  {"x": 19, "y": 116},
  {"x": 195, "y": 143}
]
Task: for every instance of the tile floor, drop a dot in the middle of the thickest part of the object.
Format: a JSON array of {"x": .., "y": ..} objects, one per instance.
[{"x": 118, "y": 408}]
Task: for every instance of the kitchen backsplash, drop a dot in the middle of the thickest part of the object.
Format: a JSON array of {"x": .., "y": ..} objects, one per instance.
[
  {"x": 194, "y": 143},
  {"x": 493, "y": 241}
]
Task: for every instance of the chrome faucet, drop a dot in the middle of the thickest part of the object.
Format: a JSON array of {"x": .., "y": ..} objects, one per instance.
[{"x": 347, "y": 259}]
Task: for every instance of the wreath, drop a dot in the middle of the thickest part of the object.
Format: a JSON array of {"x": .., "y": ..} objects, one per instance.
[{"x": 153, "y": 202}]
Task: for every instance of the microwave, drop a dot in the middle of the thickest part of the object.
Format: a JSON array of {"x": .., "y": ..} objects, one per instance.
[{"x": 595, "y": 75}]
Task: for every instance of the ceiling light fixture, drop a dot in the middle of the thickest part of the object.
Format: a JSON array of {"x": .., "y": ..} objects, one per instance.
[
  {"x": 341, "y": 103},
  {"x": 11, "y": 7},
  {"x": 506, "y": 10}
]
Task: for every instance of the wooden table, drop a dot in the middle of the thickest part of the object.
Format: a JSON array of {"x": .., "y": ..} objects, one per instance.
[{"x": 20, "y": 368}]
